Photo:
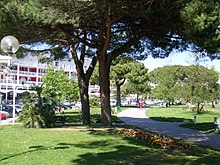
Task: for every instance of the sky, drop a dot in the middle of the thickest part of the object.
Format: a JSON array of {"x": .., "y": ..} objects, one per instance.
[{"x": 184, "y": 58}]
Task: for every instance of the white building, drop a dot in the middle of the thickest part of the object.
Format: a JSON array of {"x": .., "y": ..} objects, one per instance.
[
  {"x": 21, "y": 74},
  {"x": 24, "y": 73}
]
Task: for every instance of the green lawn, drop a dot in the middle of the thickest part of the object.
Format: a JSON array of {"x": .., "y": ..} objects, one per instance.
[
  {"x": 205, "y": 121},
  {"x": 84, "y": 145},
  {"x": 76, "y": 144}
]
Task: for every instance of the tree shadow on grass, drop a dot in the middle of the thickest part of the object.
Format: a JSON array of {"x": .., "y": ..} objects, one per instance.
[
  {"x": 34, "y": 149},
  {"x": 207, "y": 127},
  {"x": 171, "y": 119},
  {"x": 124, "y": 151},
  {"x": 134, "y": 154}
]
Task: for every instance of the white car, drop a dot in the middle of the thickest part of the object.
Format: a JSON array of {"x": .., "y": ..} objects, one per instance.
[
  {"x": 18, "y": 108},
  {"x": 124, "y": 103},
  {"x": 78, "y": 104},
  {"x": 113, "y": 103}
]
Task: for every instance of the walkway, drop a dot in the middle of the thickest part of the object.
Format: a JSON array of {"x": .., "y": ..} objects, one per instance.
[{"x": 137, "y": 117}]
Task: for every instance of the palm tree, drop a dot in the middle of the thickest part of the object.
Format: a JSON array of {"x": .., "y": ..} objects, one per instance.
[{"x": 37, "y": 112}]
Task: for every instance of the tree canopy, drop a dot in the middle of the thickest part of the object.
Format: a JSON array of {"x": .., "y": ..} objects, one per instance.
[
  {"x": 166, "y": 79},
  {"x": 194, "y": 84},
  {"x": 58, "y": 87},
  {"x": 201, "y": 23},
  {"x": 137, "y": 80},
  {"x": 50, "y": 19}
]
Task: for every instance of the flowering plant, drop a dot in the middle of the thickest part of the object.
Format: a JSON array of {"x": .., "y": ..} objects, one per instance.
[{"x": 161, "y": 140}]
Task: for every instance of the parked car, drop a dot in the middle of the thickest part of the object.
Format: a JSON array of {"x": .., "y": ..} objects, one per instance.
[
  {"x": 4, "y": 115},
  {"x": 18, "y": 108},
  {"x": 64, "y": 107},
  {"x": 113, "y": 103},
  {"x": 8, "y": 109},
  {"x": 67, "y": 106},
  {"x": 124, "y": 103},
  {"x": 78, "y": 104}
]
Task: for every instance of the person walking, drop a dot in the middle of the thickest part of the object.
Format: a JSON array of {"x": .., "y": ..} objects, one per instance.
[{"x": 141, "y": 104}]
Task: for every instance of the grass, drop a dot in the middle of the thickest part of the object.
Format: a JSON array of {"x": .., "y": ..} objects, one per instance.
[
  {"x": 89, "y": 145},
  {"x": 205, "y": 120},
  {"x": 77, "y": 144}
]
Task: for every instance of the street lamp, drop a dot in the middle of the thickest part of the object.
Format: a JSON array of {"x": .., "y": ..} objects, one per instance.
[
  {"x": 1, "y": 101},
  {"x": 10, "y": 44}
]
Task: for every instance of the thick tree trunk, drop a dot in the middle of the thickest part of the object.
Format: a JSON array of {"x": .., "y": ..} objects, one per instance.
[
  {"x": 118, "y": 95},
  {"x": 84, "y": 96},
  {"x": 83, "y": 81},
  {"x": 104, "y": 70}
]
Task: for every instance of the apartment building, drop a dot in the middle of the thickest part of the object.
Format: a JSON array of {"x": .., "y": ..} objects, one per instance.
[{"x": 21, "y": 74}]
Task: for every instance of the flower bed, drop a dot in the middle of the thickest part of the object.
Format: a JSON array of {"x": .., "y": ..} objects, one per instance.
[{"x": 163, "y": 141}]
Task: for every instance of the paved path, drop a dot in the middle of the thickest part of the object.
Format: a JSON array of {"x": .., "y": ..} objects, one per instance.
[{"x": 137, "y": 117}]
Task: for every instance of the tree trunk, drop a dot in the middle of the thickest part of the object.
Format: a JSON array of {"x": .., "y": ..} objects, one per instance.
[
  {"x": 213, "y": 104},
  {"x": 138, "y": 100},
  {"x": 198, "y": 108},
  {"x": 118, "y": 87},
  {"x": 104, "y": 70},
  {"x": 118, "y": 95},
  {"x": 84, "y": 96},
  {"x": 83, "y": 81}
]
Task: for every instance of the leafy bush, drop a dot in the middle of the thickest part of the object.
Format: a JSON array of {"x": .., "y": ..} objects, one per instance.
[
  {"x": 37, "y": 113},
  {"x": 94, "y": 102}
]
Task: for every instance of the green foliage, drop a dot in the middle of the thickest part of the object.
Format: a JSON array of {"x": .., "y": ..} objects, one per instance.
[
  {"x": 120, "y": 67},
  {"x": 31, "y": 115},
  {"x": 166, "y": 79},
  {"x": 159, "y": 20},
  {"x": 94, "y": 101},
  {"x": 200, "y": 84},
  {"x": 137, "y": 80},
  {"x": 201, "y": 22},
  {"x": 58, "y": 87},
  {"x": 194, "y": 83},
  {"x": 39, "y": 107},
  {"x": 37, "y": 112}
]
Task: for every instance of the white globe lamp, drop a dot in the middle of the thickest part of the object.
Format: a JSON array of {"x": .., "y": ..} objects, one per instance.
[{"x": 9, "y": 44}]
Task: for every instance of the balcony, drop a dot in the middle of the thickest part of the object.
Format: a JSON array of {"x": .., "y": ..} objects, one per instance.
[{"x": 26, "y": 73}]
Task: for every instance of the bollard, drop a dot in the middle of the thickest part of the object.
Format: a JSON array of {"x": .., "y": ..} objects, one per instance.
[
  {"x": 217, "y": 122},
  {"x": 194, "y": 120},
  {"x": 116, "y": 109}
]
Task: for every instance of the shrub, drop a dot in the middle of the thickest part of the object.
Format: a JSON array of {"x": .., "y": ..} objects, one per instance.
[
  {"x": 94, "y": 102},
  {"x": 37, "y": 113}
]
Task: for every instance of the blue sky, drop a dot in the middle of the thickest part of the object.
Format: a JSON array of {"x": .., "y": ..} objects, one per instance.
[{"x": 184, "y": 58}]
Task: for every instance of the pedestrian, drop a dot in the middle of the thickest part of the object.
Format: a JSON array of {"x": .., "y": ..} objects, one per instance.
[{"x": 140, "y": 104}]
